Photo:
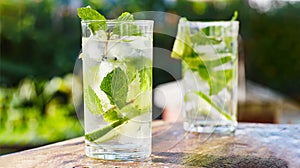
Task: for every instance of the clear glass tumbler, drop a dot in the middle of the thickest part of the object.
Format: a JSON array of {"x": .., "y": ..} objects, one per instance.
[
  {"x": 209, "y": 54},
  {"x": 117, "y": 80}
]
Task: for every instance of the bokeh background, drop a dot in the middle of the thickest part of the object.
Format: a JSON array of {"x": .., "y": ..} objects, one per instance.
[{"x": 40, "y": 42}]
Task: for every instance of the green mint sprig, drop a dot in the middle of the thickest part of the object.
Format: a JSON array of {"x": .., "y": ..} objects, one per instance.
[
  {"x": 88, "y": 13},
  {"x": 124, "y": 23},
  {"x": 98, "y": 20},
  {"x": 92, "y": 101},
  {"x": 115, "y": 85}
]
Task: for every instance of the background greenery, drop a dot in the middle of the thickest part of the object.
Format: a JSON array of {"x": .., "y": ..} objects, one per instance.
[
  {"x": 40, "y": 39},
  {"x": 37, "y": 112}
]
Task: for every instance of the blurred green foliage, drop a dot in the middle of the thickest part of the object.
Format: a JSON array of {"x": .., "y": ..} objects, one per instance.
[
  {"x": 38, "y": 38},
  {"x": 38, "y": 112},
  {"x": 272, "y": 49}
]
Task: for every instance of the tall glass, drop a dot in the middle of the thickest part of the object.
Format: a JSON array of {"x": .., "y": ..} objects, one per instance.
[
  {"x": 209, "y": 67},
  {"x": 117, "y": 79}
]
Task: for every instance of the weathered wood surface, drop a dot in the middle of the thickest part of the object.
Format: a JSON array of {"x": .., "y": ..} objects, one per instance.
[{"x": 253, "y": 145}]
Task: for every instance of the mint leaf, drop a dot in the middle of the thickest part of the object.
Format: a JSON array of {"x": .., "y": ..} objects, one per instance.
[
  {"x": 92, "y": 101},
  {"x": 97, "y": 25},
  {"x": 228, "y": 42},
  {"x": 115, "y": 86},
  {"x": 111, "y": 115},
  {"x": 106, "y": 86},
  {"x": 127, "y": 29},
  {"x": 126, "y": 16},
  {"x": 131, "y": 110},
  {"x": 203, "y": 72},
  {"x": 119, "y": 87},
  {"x": 145, "y": 79},
  {"x": 216, "y": 79},
  {"x": 138, "y": 63},
  {"x": 125, "y": 26},
  {"x": 135, "y": 64},
  {"x": 208, "y": 100},
  {"x": 193, "y": 62},
  {"x": 219, "y": 80},
  {"x": 201, "y": 39},
  {"x": 87, "y": 13},
  {"x": 212, "y": 31},
  {"x": 197, "y": 64},
  {"x": 219, "y": 61},
  {"x": 140, "y": 105},
  {"x": 98, "y": 20}
]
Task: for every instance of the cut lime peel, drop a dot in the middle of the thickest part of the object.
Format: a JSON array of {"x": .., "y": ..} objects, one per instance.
[
  {"x": 110, "y": 135},
  {"x": 92, "y": 137}
]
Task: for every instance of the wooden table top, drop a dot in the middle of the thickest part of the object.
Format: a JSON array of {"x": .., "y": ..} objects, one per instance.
[{"x": 253, "y": 145}]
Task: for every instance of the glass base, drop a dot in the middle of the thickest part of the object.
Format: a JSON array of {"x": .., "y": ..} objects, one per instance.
[
  {"x": 210, "y": 128},
  {"x": 117, "y": 152}
]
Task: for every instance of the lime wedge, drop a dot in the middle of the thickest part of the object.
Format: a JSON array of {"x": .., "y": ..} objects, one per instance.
[
  {"x": 106, "y": 133},
  {"x": 182, "y": 45},
  {"x": 110, "y": 135}
]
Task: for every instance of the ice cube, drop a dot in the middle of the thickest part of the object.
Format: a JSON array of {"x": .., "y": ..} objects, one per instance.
[
  {"x": 101, "y": 35},
  {"x": 140, "y": 42},
  {"x": 208, "y": 51},
  {"x": 119, "y": 50},
  {"x": 104, "y": 69},
  {"x": 193, "y": 82},
  {"x": 195, "y": 103},
  {"x": 94, "y": 48}
]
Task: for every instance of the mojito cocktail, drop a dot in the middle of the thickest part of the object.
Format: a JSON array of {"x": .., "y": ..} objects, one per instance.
[
  {"x": 117, "y": 77},
  {"x": 208, "y": 51}
]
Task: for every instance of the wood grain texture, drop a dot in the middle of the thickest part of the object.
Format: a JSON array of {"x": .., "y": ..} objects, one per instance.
[{"x": 252, "y": 145}]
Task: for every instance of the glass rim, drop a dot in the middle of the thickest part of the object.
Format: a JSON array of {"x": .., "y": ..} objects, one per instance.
[
  {"x": 113, "y": 21},
  {"x": 211, "y": 23}
]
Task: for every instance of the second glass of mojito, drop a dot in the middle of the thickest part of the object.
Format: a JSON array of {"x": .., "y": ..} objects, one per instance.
[
  {"x": 208, "y": 51},
  {"x": 117, "y": 78}
]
